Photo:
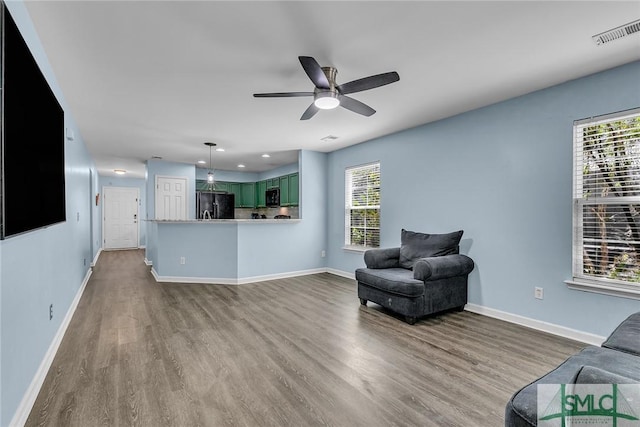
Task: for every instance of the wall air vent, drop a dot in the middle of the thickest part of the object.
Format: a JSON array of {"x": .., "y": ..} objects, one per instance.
[{"x": 617, "y": 33}]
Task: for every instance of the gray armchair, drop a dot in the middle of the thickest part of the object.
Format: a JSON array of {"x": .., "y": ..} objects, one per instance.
[{"x": 425, "y": 275}]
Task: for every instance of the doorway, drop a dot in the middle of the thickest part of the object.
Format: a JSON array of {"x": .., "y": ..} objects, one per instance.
[
  {"x": 120, "y": 217},
  {"x": 171, "y": 198}
]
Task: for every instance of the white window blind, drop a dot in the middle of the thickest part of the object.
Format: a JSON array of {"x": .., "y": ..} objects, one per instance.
[
  {"x": 362, "y": 210},
  {"x": 606, "y": 202}
]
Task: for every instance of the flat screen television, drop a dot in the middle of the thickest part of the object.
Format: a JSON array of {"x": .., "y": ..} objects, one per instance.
[{"x": 33, "y": 169}]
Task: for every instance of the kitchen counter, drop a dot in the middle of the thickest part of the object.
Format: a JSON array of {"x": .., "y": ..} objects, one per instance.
[{"x": 225, "y": 221}]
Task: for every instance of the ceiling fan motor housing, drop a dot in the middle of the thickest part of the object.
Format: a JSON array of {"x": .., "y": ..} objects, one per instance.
[{"x": 326, "y": 99}]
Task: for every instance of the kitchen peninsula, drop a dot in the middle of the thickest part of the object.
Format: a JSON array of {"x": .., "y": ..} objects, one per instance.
[
  {"x": 223, "y": 251},
  {"x": 242, "y": 250}
]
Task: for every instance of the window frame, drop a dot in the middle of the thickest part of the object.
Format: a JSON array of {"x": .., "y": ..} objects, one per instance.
[
  {"x": 348, "y": 186},
  {"x": 581, "y": 280}
]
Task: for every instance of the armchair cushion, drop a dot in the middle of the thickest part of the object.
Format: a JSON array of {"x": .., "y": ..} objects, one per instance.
[
  {"x": 442, "y": 267},
  {"x": 398, "y": 281},
  {"x": 382, "y": 258},
  {"x": 625, "y": 336},
  {"x": 594, "y": 375},
  {"x": 421, "y": 245}
]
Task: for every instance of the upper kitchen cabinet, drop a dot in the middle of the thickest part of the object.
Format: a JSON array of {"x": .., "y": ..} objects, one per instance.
[
  {"x": 261, "y": 189},
  {"x": 294, "y": 189},
  {"x": 203, "y": 185},
  {"x": 284, "y": 190},
  {"x": 248, "y": 195},
  {"x": 289, "y": 188}
]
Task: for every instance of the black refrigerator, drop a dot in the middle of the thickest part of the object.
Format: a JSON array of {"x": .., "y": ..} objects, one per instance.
[{"x": 218, "y": 205}]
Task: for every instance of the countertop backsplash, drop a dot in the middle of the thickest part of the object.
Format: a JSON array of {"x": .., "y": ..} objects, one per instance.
[{"x": 270, "y": 213}]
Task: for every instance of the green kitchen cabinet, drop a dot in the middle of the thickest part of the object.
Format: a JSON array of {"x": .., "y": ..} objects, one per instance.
[
  {"x": 203, "y": 185},
  {"x": 261, "y": 188},
  {"x": 284, "y": 190},
  {"x": 236, "y": 189},
  {"x": 294, "y": 189},
  {"x": 273, "y": 183},
  {"x": 248, "y": 195},
  {"x": 221, "y": 186}
]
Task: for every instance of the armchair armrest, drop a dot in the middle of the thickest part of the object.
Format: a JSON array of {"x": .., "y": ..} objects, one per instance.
[
  {"x": 382, "y": 258},
  {"x": 442, "y": 267}
]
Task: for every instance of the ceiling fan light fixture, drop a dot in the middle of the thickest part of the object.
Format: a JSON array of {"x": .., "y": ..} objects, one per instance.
[{"x": 326, "y": 100}]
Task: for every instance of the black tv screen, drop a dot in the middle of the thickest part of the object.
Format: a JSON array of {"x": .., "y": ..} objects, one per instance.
[{"x": 33, "y": 170}]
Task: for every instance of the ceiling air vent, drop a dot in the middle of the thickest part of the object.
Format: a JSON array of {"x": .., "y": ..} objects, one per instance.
[
  {"x": 617, "y": 33},
  {"x": 329, "y": 138}
]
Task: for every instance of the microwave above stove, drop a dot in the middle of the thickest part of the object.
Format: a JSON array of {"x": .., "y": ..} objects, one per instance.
[{"x": 272, "y": 197}]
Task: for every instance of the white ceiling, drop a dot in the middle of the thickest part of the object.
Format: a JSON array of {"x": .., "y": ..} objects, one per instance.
[{"x": 146, "y": 78}]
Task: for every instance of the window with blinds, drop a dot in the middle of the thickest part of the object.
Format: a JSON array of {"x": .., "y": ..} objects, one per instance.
[
  {"x": 362, "y": 206},
  {"x": 606, "y": 201}
]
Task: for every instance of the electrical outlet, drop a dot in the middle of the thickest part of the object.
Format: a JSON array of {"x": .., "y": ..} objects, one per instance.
[
  {"x": 538, "y": 293},
  {"x": 183, "y": 261},
  {"x": 323, "y": 254},
  {"x": 50, "y": 311}
]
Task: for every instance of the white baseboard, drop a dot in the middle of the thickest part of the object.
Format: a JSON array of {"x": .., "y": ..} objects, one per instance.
[
  {"x": 539, "y": 325},
  {"x": 29, "y": 398},
  {"x": 95, "y": 259},
  {"x": 147, "y": 262},
  {"x": 234, "y": 281},
  {"x": 341, "y": 273},
  {"x": 142, "y": 247}
]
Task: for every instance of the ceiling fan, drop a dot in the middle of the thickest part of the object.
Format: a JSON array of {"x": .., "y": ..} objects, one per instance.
[{"x": 327, "y": 94}]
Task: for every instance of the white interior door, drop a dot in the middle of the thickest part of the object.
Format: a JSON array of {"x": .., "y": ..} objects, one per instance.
[
  {"x": 120, "y": 217},
  {"x": 171, "y": 198}
]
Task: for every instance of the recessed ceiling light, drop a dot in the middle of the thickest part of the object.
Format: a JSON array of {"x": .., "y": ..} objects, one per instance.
[
  {"x": 220, "y": 149},
  {"x": 202, "y": 162},
  {"x": 266, "y": 155},
  {"x": 120, "y": 171},
  {"x": 241, "y": 166}
]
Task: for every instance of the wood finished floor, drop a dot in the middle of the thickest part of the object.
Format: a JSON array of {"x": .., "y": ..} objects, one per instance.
[{"x": 289, "y": 352}]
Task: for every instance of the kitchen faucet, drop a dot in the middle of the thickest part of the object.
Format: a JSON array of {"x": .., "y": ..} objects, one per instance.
[{"x": 206, "y": 214}]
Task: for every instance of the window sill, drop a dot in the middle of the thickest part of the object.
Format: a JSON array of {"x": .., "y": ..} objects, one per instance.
[
  {"x": 616, "y": 290},
  {"x": 356, "y": 248}
]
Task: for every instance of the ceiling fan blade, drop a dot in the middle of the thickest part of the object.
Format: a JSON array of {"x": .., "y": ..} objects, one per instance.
[
  {"x": 310, "y": 112},
  {"x": 314, "y": 71},
  {"x": 367, "y": 83},
  {"x": 355, "y": 106},
  {"x": 282, "y": 94}
]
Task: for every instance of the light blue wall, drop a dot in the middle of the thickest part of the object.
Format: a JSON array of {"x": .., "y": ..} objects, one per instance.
[
  {"x": 279, "y": 171},
  {"x": 228, "y": 176},
  {"x": 45, "y": 266},
  {"x": 140, "y": 184},
  {"x": 503, "y": 174},
  {"x": 210, "y": 250},
  {"x": 274, "y": 248},
  {"x": 236, "y": 176}
]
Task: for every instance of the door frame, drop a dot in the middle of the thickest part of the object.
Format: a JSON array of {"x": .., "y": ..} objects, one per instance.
[{"x": 104, "y": 203}]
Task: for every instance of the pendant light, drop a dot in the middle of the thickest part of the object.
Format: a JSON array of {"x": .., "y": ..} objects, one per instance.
[{"x": 210, "y": 178}]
